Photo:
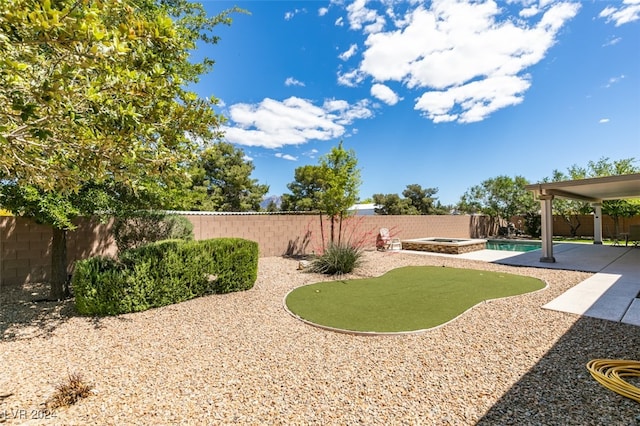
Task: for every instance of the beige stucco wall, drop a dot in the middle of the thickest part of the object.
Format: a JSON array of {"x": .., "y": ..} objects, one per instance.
[{"x": 25, "y": 246}]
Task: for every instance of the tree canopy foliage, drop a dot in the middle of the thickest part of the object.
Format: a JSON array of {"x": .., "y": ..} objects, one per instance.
[
  {"x": 393, "y": 204},
  {"x": 571, "y": 209},
  {"x": 94, "y": 110},
  {"x": 330, "y": 187},
  {"x": 221, "y": 181},
  {"x": 501, "y": 197},
  {"x": 94, "y": 90},
  {"x": 417, "y": 201}
]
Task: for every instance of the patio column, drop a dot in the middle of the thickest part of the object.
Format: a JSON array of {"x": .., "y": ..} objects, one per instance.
[
  {"x": 597, "y": 223},
  {"x": 546, "y": 202}
]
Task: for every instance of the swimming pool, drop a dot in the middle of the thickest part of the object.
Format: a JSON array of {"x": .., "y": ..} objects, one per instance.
[{"x": 513, "y": 245}]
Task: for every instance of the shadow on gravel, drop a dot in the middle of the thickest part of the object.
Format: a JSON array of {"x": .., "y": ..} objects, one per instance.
[
  {"x": 559, "y": 388},
  {"x": 25, "y": 314}
]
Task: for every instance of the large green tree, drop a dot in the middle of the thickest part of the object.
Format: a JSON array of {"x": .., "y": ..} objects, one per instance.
[
  {"x": 393, "y": 204},
  {"x": 221, "y": 181},
  {"x": 93, "y": 97},
  {"x": 616, "y": 209},
  {"x": 568, "y": 210},
  {"x": 330, "y": 187},
  {"x": 341, "y": 183},
  {"x": 417, "y": 201},
  {"x": 500, "y": 198},
  {"x": 306, "y": 189},
  {"x": 423, "y": 199}
]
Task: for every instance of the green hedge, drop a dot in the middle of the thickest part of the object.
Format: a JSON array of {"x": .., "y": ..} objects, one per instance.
[{"x": 164, "y": 273}]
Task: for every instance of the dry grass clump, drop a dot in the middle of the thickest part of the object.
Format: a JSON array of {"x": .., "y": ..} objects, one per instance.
[{"x": 69, "y": 392}]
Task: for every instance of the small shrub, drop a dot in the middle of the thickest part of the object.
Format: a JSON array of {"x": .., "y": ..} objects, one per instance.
[
  {"x": 69, "y": 392},
  {"x": 179, "y": 228},
  {"x": 337, "y": 259},
  {"x": 147, "y": 227}
]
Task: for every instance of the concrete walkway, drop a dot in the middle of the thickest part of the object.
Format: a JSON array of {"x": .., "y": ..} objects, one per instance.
[{"x": 611, "y": 294}]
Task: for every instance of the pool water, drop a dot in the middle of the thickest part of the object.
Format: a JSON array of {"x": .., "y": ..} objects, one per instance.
[{"x": 510, "y": 245}]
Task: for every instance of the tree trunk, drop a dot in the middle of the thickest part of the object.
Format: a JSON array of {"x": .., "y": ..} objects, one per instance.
[
  {"x": 59, "y": 287},
  {"x": 333, "y": 227},
  {"x": 616, "y": 224},
  {"x": 322, "y": 233}
]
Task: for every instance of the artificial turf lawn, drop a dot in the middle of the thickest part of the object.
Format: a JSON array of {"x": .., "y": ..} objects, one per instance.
[{"x": 404, "y": 299}]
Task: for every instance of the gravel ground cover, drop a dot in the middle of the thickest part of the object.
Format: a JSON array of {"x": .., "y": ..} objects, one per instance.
[{"x": 241, "y": 359}]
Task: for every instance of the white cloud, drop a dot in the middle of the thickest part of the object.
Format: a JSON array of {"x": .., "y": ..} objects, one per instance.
[
  {"x": 614, "y": 80},
  {"x": 323, "y": 11},
  {"x": 384, "y": 93},
  {"x": 603, "y": 120},
  {"x": 620, "y": 15},
  {"x": 351, "y": 78},
  {"x": 289, "y": 15},
  {"x": 290, "y": 81},
  {"x": 286, "y": 156},
  {"x": 466, "y": 56},
  {"x": 293, "y": 121},
  {"x": 474, "y": 101},
  {"x": 612, "y": 41},
  {"x": 360, "y": 16},
  {"x": 247, "y": 158},
  {"x": 529, "y": 11},
  {"x": 349, "y": 53},
  {"x": 339, "y": 22}
]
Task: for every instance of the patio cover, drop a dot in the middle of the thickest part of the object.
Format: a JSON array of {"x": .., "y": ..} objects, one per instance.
[{"x": 593, "y": 190}]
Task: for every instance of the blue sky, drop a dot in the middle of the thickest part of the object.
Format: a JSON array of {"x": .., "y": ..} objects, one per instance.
[{"x": 444, "y": 94}]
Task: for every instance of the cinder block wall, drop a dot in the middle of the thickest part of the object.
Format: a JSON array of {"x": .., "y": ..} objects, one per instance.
[
  {"x": 25, "y": 247},
  {"x": 24, "y": 250},
  {"x": 561, "y": 227},
  {"x": 301, "y": 234}
]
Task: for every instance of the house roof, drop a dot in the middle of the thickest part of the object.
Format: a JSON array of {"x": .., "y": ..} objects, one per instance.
[{"x": 593, "y": 189}]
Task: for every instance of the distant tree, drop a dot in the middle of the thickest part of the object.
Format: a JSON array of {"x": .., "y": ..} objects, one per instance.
[
  {"x": 272, "y": 207},
  {"x": 417, "y": 201},
  {"x": 221, "y": 181},
  {"x": 393, "y": 204},
  {"x": 615, "y": 208},
  {"x": 569, "y": 210},
  {"x": 442, "y": 209},
  {"x": 305, "y": 189},
  {"x": 500, "y": 198},
  {"x": 421, "y": 198}
]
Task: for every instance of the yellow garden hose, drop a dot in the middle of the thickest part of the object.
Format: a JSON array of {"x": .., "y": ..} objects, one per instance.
[{"x": 610, "y": 373}]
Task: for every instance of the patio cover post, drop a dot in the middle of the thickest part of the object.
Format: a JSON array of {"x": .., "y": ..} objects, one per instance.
[
  {"x": 546, "y": 202},
  {"x": 597, "y": 223}
]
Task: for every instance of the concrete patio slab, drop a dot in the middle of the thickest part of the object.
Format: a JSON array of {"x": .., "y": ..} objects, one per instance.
[
  {"x": 574, "y": 257},
  {"x": 609, "y": 294},
  {"x": 632, "y": 316}
]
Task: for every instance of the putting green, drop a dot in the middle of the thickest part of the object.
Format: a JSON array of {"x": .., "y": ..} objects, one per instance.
[{"x": 405, "y": 299}]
